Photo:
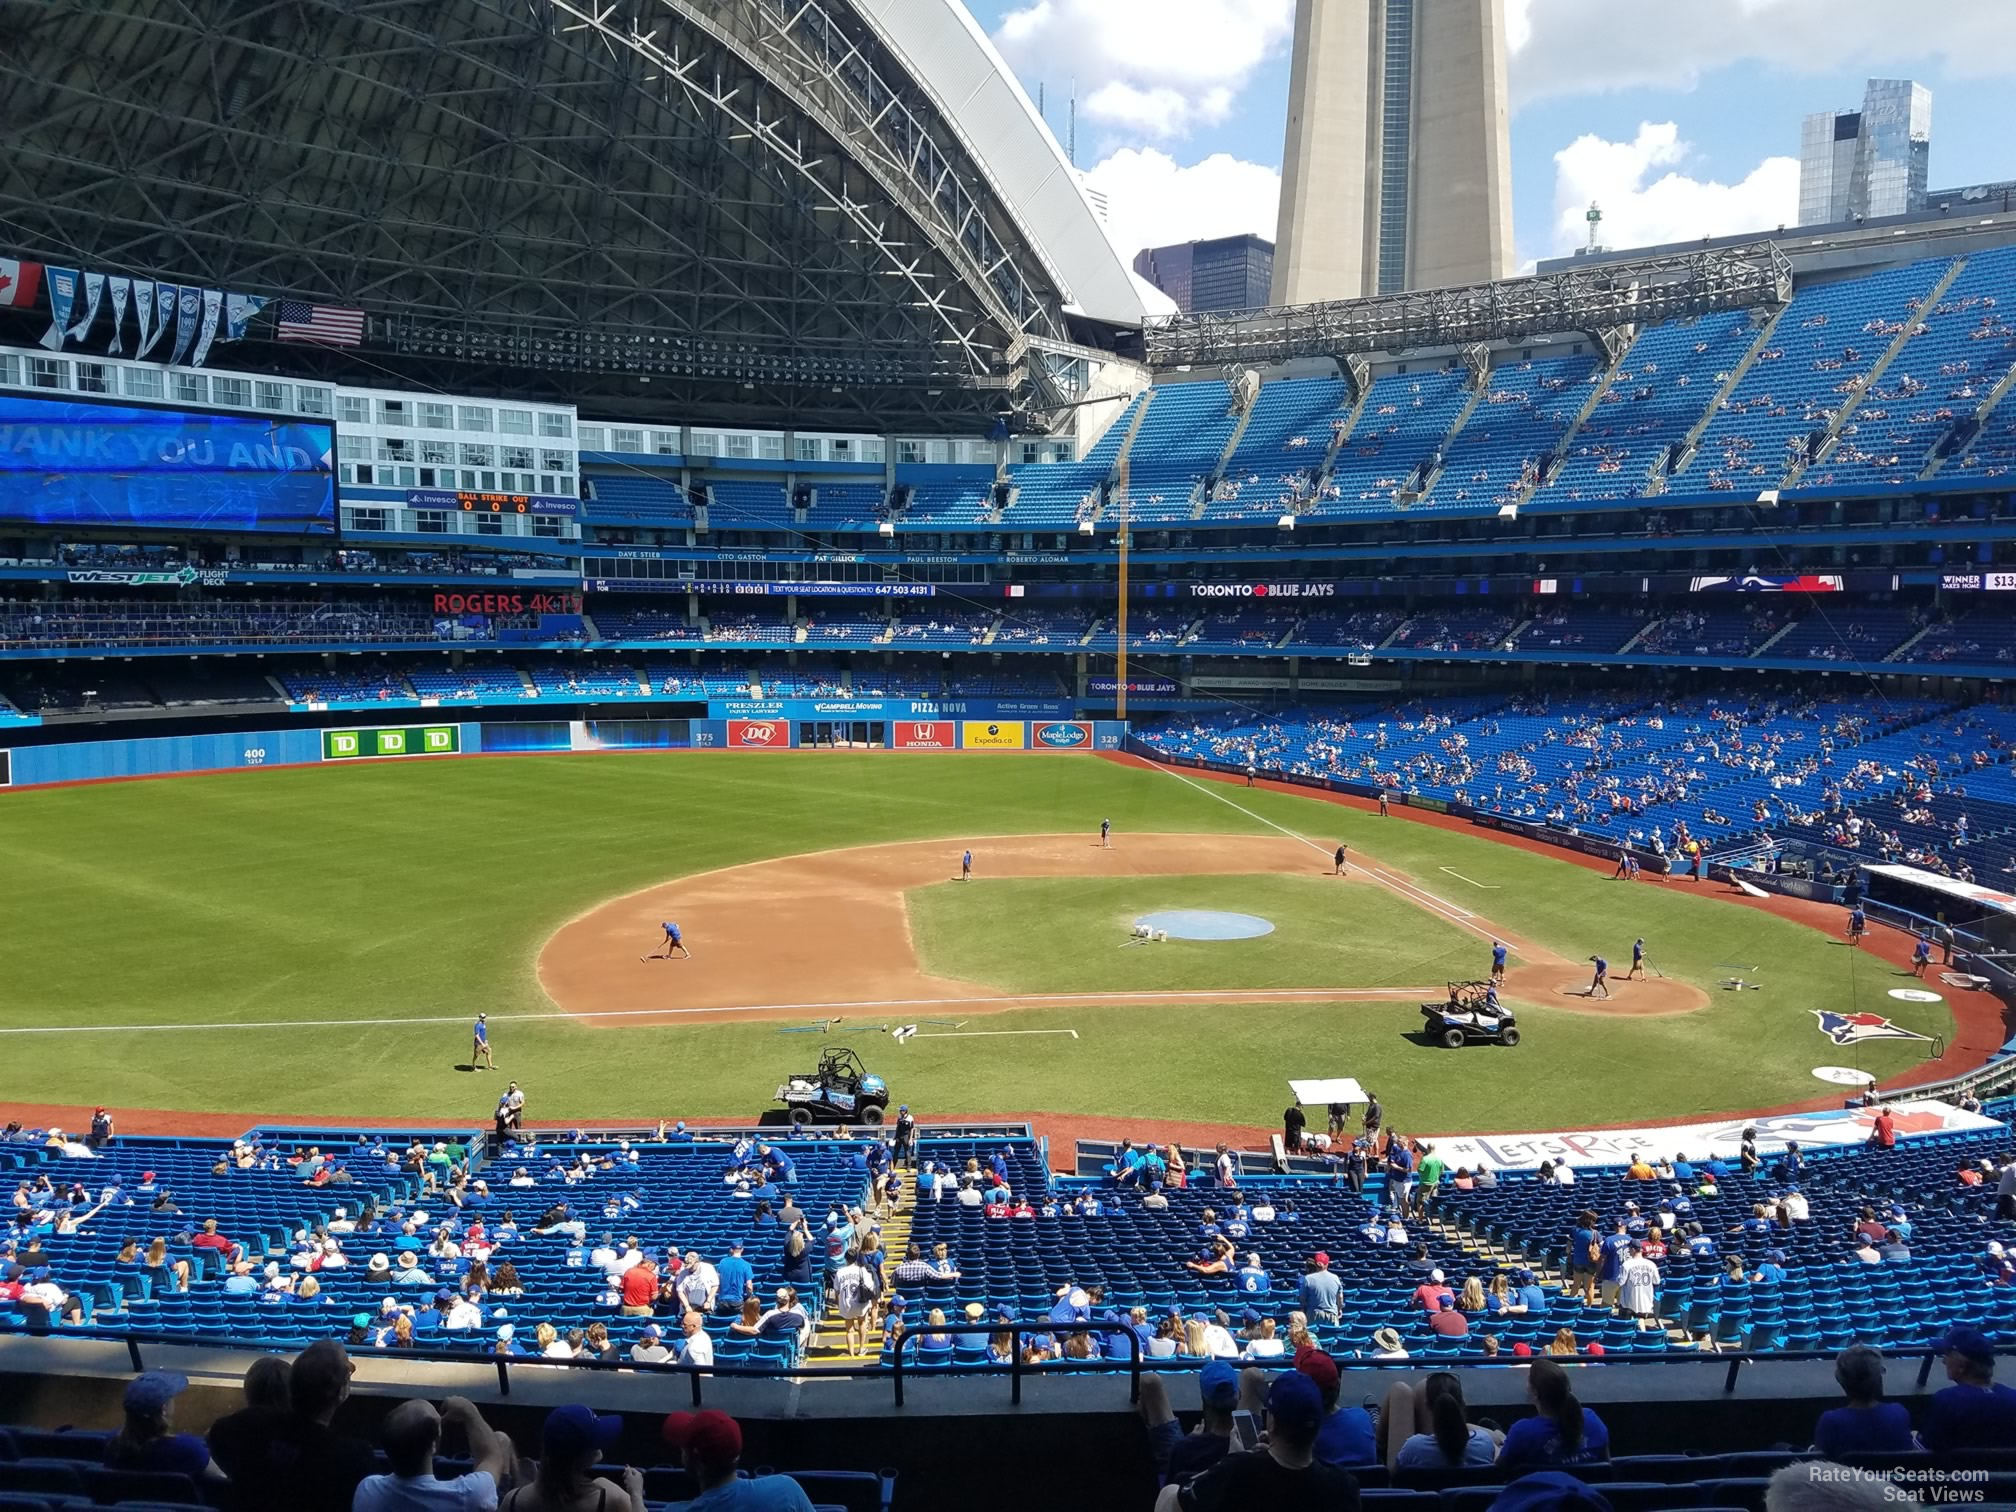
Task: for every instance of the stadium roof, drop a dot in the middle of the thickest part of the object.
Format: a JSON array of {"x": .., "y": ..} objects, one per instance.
[{"x": 727, "y": 209}]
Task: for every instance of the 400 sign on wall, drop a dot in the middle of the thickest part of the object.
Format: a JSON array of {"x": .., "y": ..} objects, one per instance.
[{"x": 387, "y": 742}]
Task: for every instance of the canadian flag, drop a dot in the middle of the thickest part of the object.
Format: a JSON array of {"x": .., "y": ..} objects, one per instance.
[{"x": 20, "y": 282}]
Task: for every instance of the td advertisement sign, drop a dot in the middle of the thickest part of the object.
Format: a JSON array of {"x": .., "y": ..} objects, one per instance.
[
  {"x": 994, "y": 735},
  {"x": 393, "y": 741}
]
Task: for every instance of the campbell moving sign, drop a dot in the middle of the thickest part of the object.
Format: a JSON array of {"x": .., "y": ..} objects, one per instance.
[{"x": 1263, "y": 590}]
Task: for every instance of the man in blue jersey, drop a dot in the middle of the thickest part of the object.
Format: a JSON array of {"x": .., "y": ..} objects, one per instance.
[
  {"x": 1601, "y": 980},
  {"x": 1637, "y": 959},
  {"x": 481, "y": 1051},
  {"x": 966, "y": 867},
  {"x": 674, "y": 940},
  {"x": 1497, "y": 960}
]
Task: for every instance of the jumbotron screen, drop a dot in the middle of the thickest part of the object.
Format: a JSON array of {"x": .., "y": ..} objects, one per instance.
[{"x": 70, "y": 462}]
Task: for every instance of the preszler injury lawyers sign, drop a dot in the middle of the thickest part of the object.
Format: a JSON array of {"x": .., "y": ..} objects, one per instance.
[{"x": 418, "y": 740}]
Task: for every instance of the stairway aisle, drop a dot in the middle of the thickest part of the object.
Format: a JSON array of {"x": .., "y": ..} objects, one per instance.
[{"x": 829, "y": 1342}]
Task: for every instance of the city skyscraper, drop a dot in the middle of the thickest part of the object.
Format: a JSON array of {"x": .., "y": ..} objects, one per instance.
[
  {"x": 1222, "y": 274},
  {"x": 1396, "y": 172},
  {"x": 1855, "y": 164}
]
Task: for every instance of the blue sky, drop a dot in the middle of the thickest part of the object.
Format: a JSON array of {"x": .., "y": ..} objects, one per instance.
[{"x": 1681, "y": 121}]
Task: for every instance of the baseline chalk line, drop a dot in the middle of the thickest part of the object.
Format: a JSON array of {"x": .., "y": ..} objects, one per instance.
[{"x": 1487, "y": 886}]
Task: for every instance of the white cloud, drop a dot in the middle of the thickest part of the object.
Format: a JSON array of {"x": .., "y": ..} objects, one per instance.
[
  {"x": 1151, "y": 67},
  {"x": 1154, "y": 200},
  {"x": 1645, "y": 206},
  {"x": 1567, "y": 47}
]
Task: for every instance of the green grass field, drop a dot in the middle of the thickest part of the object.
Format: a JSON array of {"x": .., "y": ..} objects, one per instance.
[
  {"x": 1062, "y": 934},
  {"x": 369, "y": 894}
]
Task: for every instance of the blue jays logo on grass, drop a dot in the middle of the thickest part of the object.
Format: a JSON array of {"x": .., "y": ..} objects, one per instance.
[{"x": 1853, "y": 1028}]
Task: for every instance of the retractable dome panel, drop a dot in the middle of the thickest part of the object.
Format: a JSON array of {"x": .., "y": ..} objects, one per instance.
[{"x": 758, "y": 208}]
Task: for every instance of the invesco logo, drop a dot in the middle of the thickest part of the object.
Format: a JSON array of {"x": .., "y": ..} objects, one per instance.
[{"x": 1062, "y": 736}]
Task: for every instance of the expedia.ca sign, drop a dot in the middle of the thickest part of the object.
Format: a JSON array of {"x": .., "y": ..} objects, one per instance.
[{"x": 1264, "y": 590}]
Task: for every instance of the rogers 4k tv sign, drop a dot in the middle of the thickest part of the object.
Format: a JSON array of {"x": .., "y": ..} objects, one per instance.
[{"x": 388, "y": 743}]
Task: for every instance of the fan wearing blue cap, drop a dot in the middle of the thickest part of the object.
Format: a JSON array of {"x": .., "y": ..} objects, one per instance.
[
  {"x": 1179, "y": 1457},
  {"x": 570, "y": 1447},
  {"x": 1282, "y": 1472},
  {"x": 411, "y": 1436},
  {"x": 1550, "y": 1491},
  {"x": 1972, "y": 1413},
  {"x": 147, "y": 1440}
]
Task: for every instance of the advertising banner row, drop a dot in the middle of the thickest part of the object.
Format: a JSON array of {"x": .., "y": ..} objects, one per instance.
[
  {"x": 913, "y": 734},
  {"x": 169, "y": 755},
  {"x": 890, "y": 708}
]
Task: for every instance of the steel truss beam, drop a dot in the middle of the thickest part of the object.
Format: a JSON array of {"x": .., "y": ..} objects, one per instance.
[
  {"x": 1593, "y": 299},
  {"x": 745, "y": 193}
]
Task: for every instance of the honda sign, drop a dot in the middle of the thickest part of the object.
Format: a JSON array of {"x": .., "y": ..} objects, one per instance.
[{"x": 924, "y": 735}]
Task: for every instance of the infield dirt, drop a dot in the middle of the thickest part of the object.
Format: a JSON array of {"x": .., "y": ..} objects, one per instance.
[{"x": 827, "y": 934}]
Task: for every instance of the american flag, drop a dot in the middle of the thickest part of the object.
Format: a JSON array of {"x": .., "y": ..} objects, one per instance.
[{"x": 326, "y": 325}]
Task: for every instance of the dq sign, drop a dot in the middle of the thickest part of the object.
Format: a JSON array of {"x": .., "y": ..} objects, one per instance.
[
  {"x": 759, "y": 734},
  {"x": 924, "y": 735},
  {"x": 1064, "y": 737}
]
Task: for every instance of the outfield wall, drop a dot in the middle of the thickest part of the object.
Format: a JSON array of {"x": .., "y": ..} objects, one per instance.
[{"x": 336, "y": 744}]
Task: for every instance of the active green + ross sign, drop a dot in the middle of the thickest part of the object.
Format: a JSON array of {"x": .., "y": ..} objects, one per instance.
[{"x": 395, "y": 740}]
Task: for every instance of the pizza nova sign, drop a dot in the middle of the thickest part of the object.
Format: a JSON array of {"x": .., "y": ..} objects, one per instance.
[{"x": 1263, "y": 590}]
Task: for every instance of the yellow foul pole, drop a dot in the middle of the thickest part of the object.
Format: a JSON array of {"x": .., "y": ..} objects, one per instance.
[{"x": 1120, "y": 625}]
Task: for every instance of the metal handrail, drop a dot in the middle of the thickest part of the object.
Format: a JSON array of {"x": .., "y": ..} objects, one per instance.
[
  {"x": 1015, "y": 1367},
  {"x": 897, "y": 1372}
]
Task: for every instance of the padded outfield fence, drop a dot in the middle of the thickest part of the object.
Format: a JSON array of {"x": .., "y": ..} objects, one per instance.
[{"x": 891, "y": 725}]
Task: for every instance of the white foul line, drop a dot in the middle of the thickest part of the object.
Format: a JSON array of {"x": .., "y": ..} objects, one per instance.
[
  {"x": 1487, "y": 886},
  {"x": 990, "y": 1033},
  {"x": 1174, "y": 996},
  {"x": 1459, "y": 916}
]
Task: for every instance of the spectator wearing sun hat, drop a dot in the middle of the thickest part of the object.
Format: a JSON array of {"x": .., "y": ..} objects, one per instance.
[
  {"x": 1283, "y": 1473},
  {"x": 709, "y": 1445}
]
